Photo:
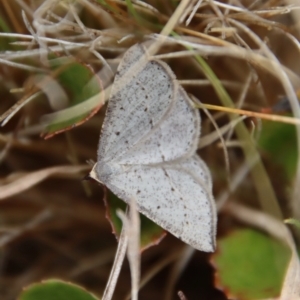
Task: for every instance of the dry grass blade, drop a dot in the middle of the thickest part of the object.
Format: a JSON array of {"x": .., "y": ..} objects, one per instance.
[
  {"x": 4, "y": 118},
  {"x": 32, "y": 224},
  {"x": 131, "y": 226},
  {"x": 177, "y": 270},
  {"x": 269, "y": 117},
  {"x": 116, "y": 268},
  {"x": 291, "y": 284},
  {"x": 181, "y": 295},
  {"x": 214, "y": 136},
  {"x": 27, "y": 181},
  {"x": 158, "y": 267}
]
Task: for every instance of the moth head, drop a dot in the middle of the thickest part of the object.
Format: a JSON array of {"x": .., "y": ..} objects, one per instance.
[{"x": 93, "y": 174}]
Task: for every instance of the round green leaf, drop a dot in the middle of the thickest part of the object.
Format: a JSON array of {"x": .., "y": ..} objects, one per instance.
[
  {"x": 279, "y": 142},
  {"x": 80, "y": 84},
  {"x": 55, "y": 290},
  {"x": 251, "y": 265}
]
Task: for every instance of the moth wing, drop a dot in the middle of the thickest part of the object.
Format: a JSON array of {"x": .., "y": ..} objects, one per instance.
[
  {"x": 135, "y": 90},
  {"x": 175, "y": 136},
  {"x": 175, "y": 197}
]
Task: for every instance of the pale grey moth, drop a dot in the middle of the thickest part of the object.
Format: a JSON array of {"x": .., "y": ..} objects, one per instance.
[{"x": 147, "y": 150}]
